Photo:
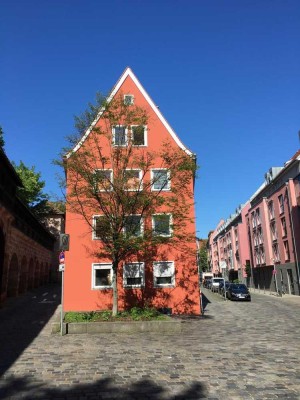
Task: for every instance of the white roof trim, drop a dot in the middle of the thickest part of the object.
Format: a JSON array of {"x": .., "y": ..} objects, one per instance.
[{"x": 126, "y": 73}]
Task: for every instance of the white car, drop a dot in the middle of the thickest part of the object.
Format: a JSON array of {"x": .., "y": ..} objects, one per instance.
[{"x": 215, "y": 282}]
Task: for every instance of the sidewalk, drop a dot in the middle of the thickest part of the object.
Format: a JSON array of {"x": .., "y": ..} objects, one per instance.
[{"x": 286, "y": 297}]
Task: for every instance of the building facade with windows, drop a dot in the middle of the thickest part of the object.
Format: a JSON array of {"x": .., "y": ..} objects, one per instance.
[
  {"x": 163, "y": 276},
  {"x": 262, "y": 243},
  {"x": 274, "y": 231}
]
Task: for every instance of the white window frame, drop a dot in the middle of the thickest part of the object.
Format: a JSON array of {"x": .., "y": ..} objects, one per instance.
[
  {"x": 141, "y": 275},
  {"x": 170, "y": 224},
  {"x": 97, "y": 266},
  {"x": 128, "y": 95},
  {"x": 126, "y": 136},
  {"x": 110, "y": 179},
  {"x": 141, "y": 225},
  {"x": 145, "y": 136},
  {"x": 281, "y": 204},
  {"x": 140, "y": 186},
  {"x": 163, "y": 285},
  {"x": 167, "y": 188}
]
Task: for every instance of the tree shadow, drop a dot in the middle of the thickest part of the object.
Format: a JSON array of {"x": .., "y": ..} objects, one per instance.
[
  {"x": 22, "y": 319},
  {"x": 27, "y": 389}
]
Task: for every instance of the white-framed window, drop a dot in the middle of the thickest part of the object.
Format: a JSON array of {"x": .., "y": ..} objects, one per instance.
[
  {"x": 286, "y": 250},
  {"x": 258, "y": 220},
  {"x": 164, "y": 274},
  {"x": 262, "y": 255},
  {"x": 283, "y": 226},
  {"x": 139, "y": 135},
  {"x": 134, "y": 275},
  {"x": 253, "y": 219},
  {"x": 275, "y": 252},
  {"x": 103, "y": 179},
  {"x": 281, "y": 204},
  {"x": 160, "y": 179},
  {"x": 271, "y": 209},
  {"x": 101, "y": 226},
  {"x": 133, "y": 225},
  {"x": 128, "y": 99},
  {"x": 273, "y": 230},
  {"x": 102, "y": 274},
  {"x": 162, "y": 224},
  {"x": 260, "y": 235},
  {"x": 133, "y": 179},
  {"x": 119, "y": 135}
]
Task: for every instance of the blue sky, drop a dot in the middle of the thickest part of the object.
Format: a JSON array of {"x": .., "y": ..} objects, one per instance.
[{"x": 225, "y": 74}]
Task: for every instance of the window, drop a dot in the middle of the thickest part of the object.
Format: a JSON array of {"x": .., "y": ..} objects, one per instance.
[
  {"x": 133, "y": 179},
  {"x": 119, "y": 135},
  {"x": 139, "y": 137},
  {"x": 286, "y": 250},
  {"x": 164, "y": 274},
  {"x": 253, "y": 220},
  {"x": 133, "y": 225},
  {"x": 161, "y": 224},
  {"x": 258, "y": 221},
  {"x": 273, "y": 230},
  {"x": 102, "y": 276},
  {"x": 128, "y": 99},
  {"x": 271, "y": 209},
  {"x": 103, "y": 180},
  {"x": 275, "y": 252},
  {"x": 133, "y": 275},
  {"x": 283, "y": 226},
  {"x": 281, "y": 204},
  {"x": 101, "y": 225},
  {"x": 160, "y": 179},
  {"x": 262, "y": 255},
  {"x": 260, "y": 236}
]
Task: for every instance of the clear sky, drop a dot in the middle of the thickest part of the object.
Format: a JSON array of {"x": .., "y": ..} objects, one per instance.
[{"x": 225, "y": 74}]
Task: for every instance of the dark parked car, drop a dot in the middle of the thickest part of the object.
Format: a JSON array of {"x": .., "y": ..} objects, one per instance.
[
  {"x": 221, "y": 287},
  {"x": 238, "y": 291},
  {"x": 207, "y": 283}
]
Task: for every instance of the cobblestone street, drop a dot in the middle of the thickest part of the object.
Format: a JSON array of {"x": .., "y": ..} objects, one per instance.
[{"x": 236, "y": 351}]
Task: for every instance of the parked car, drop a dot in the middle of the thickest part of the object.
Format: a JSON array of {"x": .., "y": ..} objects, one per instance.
[
  {"x": 215, "y": 282},
  {"x": 221, "y": 287},
  {"x": 207, "y": 283},
  {"x": 238, "y": 291}
]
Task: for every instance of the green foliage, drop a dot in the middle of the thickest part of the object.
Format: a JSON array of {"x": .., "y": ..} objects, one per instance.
[
  {"x": 248, "y": 270},
  {"x": 134, "y": 314},
  {"x": 32, "y": 192},
  {"x": 203, "y": 258},
  {"x": 2, "y": 141}
]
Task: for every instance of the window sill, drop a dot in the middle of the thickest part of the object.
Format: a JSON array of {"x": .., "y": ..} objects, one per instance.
[{"x": 101, "y": 287}]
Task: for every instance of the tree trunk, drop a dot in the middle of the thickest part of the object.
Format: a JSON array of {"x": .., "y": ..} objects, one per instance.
[{"x": 115, "y": 288}]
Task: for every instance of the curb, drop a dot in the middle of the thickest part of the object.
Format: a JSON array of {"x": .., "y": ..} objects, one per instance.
[{"x": 161, "y": 327}]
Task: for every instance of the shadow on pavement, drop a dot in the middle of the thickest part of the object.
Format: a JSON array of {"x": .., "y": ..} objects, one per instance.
[
  {"x": 205, "y": 300},
  {"x": 22, "y": 319},
  {"x": 101, "y": 389}
]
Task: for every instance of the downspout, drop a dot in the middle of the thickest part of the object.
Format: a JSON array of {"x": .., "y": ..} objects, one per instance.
[{"x": 293, "y": 232}]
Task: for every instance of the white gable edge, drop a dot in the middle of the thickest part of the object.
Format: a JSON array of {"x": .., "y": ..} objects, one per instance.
[{"x": 128, "y": 72}]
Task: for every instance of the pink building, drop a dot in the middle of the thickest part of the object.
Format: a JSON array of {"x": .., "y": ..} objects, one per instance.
[
  {"x": 229, "y": 246},
  {"x": 274, "y": 231},
  {"x": 262, "y": 239}
]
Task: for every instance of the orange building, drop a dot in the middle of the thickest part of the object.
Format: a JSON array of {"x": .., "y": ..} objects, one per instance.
[{"x": 166, "y": 278}]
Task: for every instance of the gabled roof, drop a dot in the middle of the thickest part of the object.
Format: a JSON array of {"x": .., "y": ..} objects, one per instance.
[{"x": 128, "y": 73}]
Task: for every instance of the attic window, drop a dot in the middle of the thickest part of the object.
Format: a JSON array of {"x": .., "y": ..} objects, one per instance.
[{"x": 128, "y": 99}]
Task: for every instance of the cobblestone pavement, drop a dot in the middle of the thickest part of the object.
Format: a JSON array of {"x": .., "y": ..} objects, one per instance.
[{"x": 237, "y": 351}]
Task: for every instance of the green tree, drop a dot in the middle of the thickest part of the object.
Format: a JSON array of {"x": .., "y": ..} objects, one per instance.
[
  {"x": 2, "y": 141},
  {"x": 32, "y": 193},
  {"x": 115, "y": 180},
  {"x": 203, "y": 258}
]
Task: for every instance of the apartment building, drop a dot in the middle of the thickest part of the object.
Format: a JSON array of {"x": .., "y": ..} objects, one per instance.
[{"x": 262, "y": 241}]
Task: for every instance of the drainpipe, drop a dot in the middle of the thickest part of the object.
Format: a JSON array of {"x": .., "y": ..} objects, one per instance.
[{"x": 293, "y": 232}]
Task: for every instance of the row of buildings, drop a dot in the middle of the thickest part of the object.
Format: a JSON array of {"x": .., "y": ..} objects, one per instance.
[{"x": 259, "y": 244}]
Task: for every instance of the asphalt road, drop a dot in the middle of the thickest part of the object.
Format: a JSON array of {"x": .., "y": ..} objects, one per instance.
[{"x": 235, "y": 351}]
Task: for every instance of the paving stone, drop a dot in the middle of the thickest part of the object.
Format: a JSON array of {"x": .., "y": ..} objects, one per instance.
[{"x": 237, "y": 351}]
